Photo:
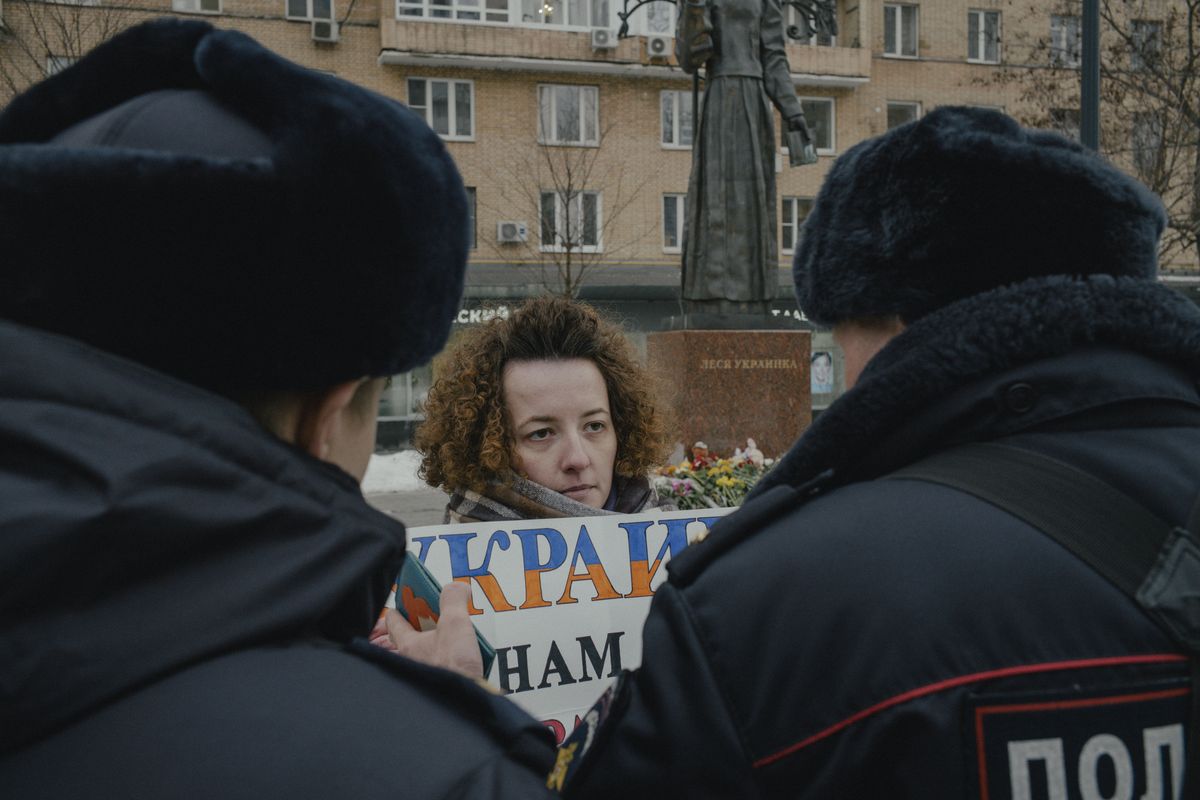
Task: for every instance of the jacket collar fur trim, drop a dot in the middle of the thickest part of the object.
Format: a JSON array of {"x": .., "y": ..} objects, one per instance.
[{"x": 977, "y": 337}]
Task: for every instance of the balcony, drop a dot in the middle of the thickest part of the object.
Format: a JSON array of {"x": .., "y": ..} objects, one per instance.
[{"x": 519, "y": 35}]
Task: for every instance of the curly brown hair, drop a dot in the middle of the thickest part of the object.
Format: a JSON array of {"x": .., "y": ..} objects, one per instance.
[{"x": 466, "y": 441}]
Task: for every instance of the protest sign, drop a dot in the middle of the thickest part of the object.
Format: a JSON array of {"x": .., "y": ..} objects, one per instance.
[{"x": 561, "y": 600}]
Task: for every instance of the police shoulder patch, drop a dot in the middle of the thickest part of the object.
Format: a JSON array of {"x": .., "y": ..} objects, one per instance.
[
  {"x": 572, "y": 751},
  {"x": 1070, "y": 744}
]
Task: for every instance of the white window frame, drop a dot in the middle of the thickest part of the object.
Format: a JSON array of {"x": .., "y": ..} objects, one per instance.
[
  {"x": 916, "y": 106},
  {"x": 677, "y": 98},
  {"x": 426, "y": 110},
  {"x": 680, "y": 203},
  {"x": 549, "y": 93},
  {"x": 1141, "y": 33},
  {"x": 493, "y": 11},
  {"x": 831, "y": 102},
  {"x": 790, "y": 218},
  {"x": 196, "y": 6},
  {"x": 899, "y": 10},
  {"x": 562, "y": 222},
  {"x": 1066, "y": 40},
  {"x": 550, "y": 13},
  {"x": 309, "y": 10},
  {"x": 56, "y": 64},
  {"x": 664, "y": 12},
  {"x": 980, "y": 41}
]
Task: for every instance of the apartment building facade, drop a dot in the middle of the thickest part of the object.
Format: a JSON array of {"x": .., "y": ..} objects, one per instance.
[{"x": 575, "y": 141}]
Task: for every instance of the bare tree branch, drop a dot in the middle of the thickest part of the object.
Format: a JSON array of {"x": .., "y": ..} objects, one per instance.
[
  {"x": 37, "y": 33},
  {"x": 567, "y": 173},
  {"x": 1150, "y": 99}
]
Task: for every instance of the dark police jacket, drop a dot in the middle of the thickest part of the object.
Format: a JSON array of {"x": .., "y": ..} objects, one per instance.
[
  {"x": 180, "y": 596},
  {"x": 848, "y": 637}
]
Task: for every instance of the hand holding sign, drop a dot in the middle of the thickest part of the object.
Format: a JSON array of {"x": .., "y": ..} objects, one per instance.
[
  {"x": 563, "y": 600},
  {"x": 450, "y": 644}
]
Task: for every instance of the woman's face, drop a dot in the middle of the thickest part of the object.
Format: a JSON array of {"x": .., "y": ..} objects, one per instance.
[
  {"x": 563, "y": 428},
  {"x": 822, "y": 369}
]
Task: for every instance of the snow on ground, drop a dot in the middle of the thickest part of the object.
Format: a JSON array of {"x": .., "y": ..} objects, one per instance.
[{"x": 394, "y": 472}]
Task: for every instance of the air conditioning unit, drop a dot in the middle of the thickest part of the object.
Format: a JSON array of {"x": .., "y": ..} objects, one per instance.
[
  {"x": 324, "y": 30},
  {"x": 659, "y": 46},
  {"x": 509, "y": 232},
  {"x": 603, "y": 39}
]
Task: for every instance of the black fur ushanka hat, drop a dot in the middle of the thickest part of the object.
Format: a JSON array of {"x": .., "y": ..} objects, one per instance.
[
  {"x": 959, "y": 202},
  {"x": 187, "y": 199}
]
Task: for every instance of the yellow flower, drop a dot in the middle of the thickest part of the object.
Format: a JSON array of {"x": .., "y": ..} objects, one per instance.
[
  {"x": 714, "y": 471},
  {"x": 725, "y": 481}
]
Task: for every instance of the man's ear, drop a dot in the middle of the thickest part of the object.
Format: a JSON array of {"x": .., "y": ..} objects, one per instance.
[{"x": 320, "y": 418}]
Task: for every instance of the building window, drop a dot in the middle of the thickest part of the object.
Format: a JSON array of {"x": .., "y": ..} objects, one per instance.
[
  {"x": 471, "y": 217},
  {"x": 196, "y": 6},
  {"x": 660, "y": 18},
  {"x": 1065, "y": 121},
  {"x": 571, "y": 220},
  {"x": 476, "y": 10},
  {"x": 567, "y": 13},
  {"x": 802, "y": 23},
  {"x": 674, "y": 210},
  {"x": 56, "y": 64},
  {"x": 1147, "y": 143},
  {"x": 819, "y": 113},
  {"x": 676, "y": 115},
  {"x": 795, "y": 209},
  {"x": 1145, "y": 42},
  {"x": 1065, "y": 41},
  {"x": 310, "y": 9},
  {"x": 568, "y": 114},
  {"x": 900, "y": 113},
  {"x": 899, "y": 31},
  {"x": 404, "y": 397},
  {"x": 448, "y": 106},
  {"x": 983, "y": 37}
]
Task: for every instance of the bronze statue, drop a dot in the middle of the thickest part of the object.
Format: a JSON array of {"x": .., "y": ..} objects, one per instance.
[{"x": 729, "y": 255}]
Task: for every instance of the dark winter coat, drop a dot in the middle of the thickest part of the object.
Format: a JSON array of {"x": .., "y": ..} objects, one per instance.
[
  {"x": 180, "y": 600},
  {"x": 848, "y": 637}
]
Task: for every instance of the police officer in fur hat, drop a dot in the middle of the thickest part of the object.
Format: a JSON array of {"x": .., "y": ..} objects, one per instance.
[
  {"x": 963, "y": 579},
  {"x": 210, "y": 260}
]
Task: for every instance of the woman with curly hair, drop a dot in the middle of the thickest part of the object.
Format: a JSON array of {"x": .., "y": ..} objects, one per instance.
[{"x": 544, "y": 414}]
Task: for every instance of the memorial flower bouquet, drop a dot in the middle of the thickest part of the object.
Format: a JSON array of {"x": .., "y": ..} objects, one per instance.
[{"x": 709, "y": 481}]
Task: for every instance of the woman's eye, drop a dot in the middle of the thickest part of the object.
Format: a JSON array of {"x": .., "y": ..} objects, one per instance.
[
  {"x": 540, "y": 434},
  {"x": 594, "y": 427}
]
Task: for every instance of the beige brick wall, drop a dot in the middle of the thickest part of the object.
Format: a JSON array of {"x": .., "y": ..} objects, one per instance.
[{"x": 504, "y": 156}]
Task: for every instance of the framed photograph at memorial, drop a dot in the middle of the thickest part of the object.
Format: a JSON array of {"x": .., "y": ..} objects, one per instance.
[{"x": 821, "y": 373}]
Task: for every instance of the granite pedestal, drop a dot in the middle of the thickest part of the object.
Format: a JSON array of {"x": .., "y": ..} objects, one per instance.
[{"x": 726, "y": 386}]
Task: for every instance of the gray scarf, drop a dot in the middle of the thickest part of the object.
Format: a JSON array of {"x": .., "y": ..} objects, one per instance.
[{"x": 524, "y": 499}]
